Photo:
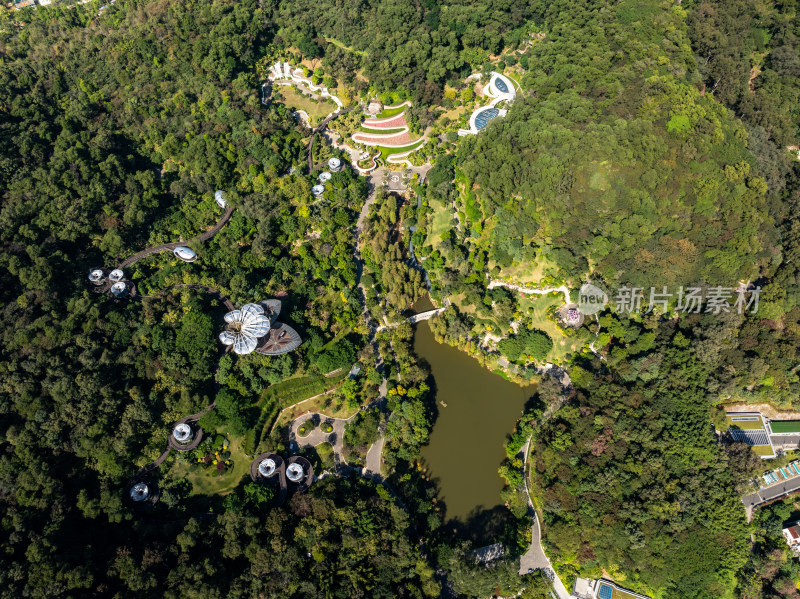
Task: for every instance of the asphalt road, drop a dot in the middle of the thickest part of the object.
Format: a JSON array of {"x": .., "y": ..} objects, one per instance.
[{"x": 786, "y": 487}]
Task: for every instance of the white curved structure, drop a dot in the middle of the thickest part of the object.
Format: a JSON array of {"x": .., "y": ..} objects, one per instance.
[
  {"x": 140, "y": 492},
  {"x": 295, "y": 473},
  {"x": 119, "y": 289},
  {"x": 324, "y": 177},
  {"x": 267, "y": 467},
  {"x": 219, "y": 197},
  {"x": 335, "y": 165},
  {"x": 318, "y": 190},
  {"x": 97, "y": 277},
  {"x": 184, "y": 253},
  {"x": 245, "y": 327},
  {"x": 500, "y": 89},
  {"x": 182, "y": 433},
  {"x": 116, "y": 275}
]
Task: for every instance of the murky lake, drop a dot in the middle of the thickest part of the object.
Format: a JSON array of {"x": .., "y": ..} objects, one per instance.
[{"x": 466, "y": 445}]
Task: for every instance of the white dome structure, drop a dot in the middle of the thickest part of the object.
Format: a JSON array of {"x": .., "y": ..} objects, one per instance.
[
  {"x": 244, "y": 328},
  {"x": 334, "y": 164},
  {"x": 119, "y": 289},
  {"x": 295, "y": 473},
  {"x": 182, "y": 433},
  {"x": 97, "y": 277},
  {"x": 267, "y": 467},
  {"x": 219, "y": 197},
  {"x": 324, "y": 177},
  {"x": 139, "y": 492},
  {"x": 317, "y": 190},
  {"x": 116, "y": 275},
  {"x": 184, "y": 253}
]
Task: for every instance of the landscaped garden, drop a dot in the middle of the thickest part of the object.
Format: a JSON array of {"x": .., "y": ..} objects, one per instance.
[
  {"x": 317, "y": 110},
  {"x": 216, "y": 466}
]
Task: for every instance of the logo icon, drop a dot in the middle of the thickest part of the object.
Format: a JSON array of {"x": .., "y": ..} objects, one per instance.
[{"x": 591, "y": 299}]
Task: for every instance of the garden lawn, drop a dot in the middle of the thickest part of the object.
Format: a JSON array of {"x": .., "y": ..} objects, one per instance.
[
  {"x": 387, "y": 112},
  {"x": 205, "y": 481},
  {"x": 539, "y": 304},
  {"x": 439, "y": 223},
  {"x": 294, "y": 99}
]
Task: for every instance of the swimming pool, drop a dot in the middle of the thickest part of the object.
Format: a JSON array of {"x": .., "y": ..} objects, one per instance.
[{"x": 605, "y": 592}]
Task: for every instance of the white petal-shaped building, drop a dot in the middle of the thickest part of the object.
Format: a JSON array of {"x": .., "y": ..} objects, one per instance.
[
  {"x": 185, "y": 253},
  {"x": 244, "y": 328},
  {"x": 116, "y": 275},
  {"x": 334, "y": 164},
  {"x": 324, "y": 177},
  {"x": 318, "y": 190},
  {"x": 219, "y": 197}
]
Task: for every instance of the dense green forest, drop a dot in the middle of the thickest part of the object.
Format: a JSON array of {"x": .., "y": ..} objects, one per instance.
[{"x": 647, "y": 145}]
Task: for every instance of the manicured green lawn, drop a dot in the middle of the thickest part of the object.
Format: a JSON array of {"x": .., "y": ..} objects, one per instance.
[
  {"x": 380, "y": 131},
  {"x": 387, "y": 112},
  {"x": 205, "y": 481},
  {"x": 536, "y": 308},
  {"x": 440, "y": 222},
  {"x": 386, "y": 152},
  {"x": 294, "y": 99}
]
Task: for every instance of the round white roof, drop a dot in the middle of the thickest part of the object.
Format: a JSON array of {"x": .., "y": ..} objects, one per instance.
[
  {"x": 246, "y": 327},
  {"x": 325, "y": 177},
  {"x": 184, "y": 253},
  {"x": 294, "y": 473},
  {"x": 317, "y": 190},
  {"x": 116, "y": 275},
  {"x": 140, "y": 492},
  {"x": 267, "y": 467},
  {"x": 219, "y": 197},
  {"x": 118, "y": 288},
  {"x": 182, "y": 432},
  {"x": 334, "y": 164},
  {"x": 96, "y": 275}
]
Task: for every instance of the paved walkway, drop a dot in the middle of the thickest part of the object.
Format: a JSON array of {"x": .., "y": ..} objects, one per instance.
[
  {"x": 317, "y": 437},
  {"x": 770, "y": 494},
  {"x": 562, "y": 289},
  {"x": 164, "y": 247},
  {"x": 414, "y": 319}
]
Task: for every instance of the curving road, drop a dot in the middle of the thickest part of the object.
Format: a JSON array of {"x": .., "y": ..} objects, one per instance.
[{"x": 165, "y": 247}]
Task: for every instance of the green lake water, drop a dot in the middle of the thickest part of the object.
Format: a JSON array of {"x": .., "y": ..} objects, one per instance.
[{"x": 466, "y": 444}]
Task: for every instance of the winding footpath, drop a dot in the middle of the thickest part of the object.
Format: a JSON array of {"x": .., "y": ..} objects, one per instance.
[
  {"x": 168, "y": 247},
  {"x": 547, "y": 290}
]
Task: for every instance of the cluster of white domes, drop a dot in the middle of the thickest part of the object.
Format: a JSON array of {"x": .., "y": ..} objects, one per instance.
[{"x": 244, "y": 328}]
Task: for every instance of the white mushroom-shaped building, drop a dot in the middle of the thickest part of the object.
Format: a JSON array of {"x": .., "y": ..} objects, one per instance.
[
  {"x": 219, "y": 197},
  {"x": 182, "y": 433},
  {"x": 184, "y": 253},
  {"x": 267, "y": 467},
  {"x": 318, "y": 190},
  {"x": 244, "y": 328},
  {"x": 334, "y": 164},
  {"x": 295, "y": 473},
  {"x": 119, "y": 289},
  {"x": 139, "y": 492},
  {"x": 97, "y": 277},
  {"x": 116, "y": 275},
  {"x": 324, "y": 177}
]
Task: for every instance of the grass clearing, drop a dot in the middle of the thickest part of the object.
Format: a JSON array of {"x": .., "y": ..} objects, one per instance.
[
  {"x": 536, "y": 307},
  {"x": 379, "y": 131},
  {"x": 386, "y": 151},
  {"x": 294, "y": 99},
  {"x": 205, "y": 481},
  {"x": 439, "y": 222},
  {"x": 387, "y": 112}
]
